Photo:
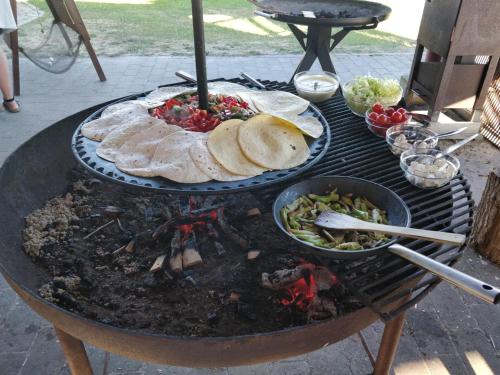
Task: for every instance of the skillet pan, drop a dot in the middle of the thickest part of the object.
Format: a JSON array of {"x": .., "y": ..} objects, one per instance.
[{"x": 398, "y": 214}]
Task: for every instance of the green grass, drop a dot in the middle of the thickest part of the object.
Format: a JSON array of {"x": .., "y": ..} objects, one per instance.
[{"x": 164, "y": 27}]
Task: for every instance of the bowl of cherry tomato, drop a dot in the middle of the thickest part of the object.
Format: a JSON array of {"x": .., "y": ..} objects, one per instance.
[{"x": 380, "y": 118}]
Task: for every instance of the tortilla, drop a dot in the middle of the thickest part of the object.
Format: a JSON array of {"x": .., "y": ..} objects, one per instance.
[
  {"x": 279, "y": 101},
  {"x": 135, "y": 155},
  {"x": 100, "y": 128},
  {"x": 208, "y": 164},
  {"x": 171, "y": 159},
  {"x": 224, "y": 147},
  {"x": 247, "y": 97},
  {"x": 272, "y": 143},
  {"x": 113, "y": 141},
  {"x": 163, "y": 94},
  {"x": 308, "y": 125},
  {"x": 121, "y": 105},
  {"x": 227, "y": 88}
]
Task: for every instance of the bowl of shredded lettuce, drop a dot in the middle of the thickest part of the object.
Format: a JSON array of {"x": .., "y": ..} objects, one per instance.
[{"x": 363, "y": 92}]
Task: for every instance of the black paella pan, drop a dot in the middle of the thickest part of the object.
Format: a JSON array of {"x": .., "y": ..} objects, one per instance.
[{"x": 398, "y": 214}]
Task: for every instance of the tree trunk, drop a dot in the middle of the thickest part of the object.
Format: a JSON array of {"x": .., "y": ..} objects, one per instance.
[{"x": 485, "y": 235}]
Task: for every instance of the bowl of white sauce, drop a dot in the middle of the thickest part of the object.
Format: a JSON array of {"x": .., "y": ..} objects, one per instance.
[{"x": 316, "y": 86}]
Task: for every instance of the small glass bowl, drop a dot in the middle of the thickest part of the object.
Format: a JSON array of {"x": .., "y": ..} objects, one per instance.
[
  {"x": 423, "y": 170},
  {"x": 359, "y": 107},
  {"x": 412, "y": 134},
  {"x": 380, "y": 130},
  {"x": 328, "y": 87}
]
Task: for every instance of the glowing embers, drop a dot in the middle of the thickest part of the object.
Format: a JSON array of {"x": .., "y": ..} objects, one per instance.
[{"x": 308, "y": 287}]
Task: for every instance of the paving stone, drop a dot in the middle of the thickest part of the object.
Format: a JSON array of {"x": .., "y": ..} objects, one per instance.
[
  {"x": 119, "y": 365},
  {"x": 263, "y": 369},
  {"x": 290, "y": 368},
  {"x": 448, "y": 364},
  {"x": 453, "y": 313},
  {"x": 7, "y": 301},
  {"x": 3, "y": 283},
  {"x": 429, "y": 334},
  {"x": 474, "y": 348},
  {"x": 18, "y": 329},
  {"x": 11, "y": 363},
  {"x": 45, "y": 356}
]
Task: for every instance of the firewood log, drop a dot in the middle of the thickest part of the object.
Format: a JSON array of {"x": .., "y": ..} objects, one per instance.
[
  {"x": 191, "y": 256},
  {"x": 485, "y": 235},
  {"x": 175, "y": 253}
]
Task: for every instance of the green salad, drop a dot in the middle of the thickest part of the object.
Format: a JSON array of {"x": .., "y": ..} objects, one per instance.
[{"x": 364, "y": 91}]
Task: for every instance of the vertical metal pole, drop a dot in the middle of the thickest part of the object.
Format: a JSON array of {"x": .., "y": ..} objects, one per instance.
[{"x": 199, "y": 51}]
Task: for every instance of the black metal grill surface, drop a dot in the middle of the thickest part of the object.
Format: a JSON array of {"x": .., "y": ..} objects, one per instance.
[{"x": 355, "y": 151}]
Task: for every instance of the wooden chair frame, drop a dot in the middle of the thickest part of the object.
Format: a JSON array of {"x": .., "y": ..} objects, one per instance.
[{"x": 64, "y": 11}]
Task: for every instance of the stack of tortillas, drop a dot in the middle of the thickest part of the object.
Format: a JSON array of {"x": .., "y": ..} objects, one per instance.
[
  {"x": 261, "y": 143},
  {"x": 142, "y": 145}
]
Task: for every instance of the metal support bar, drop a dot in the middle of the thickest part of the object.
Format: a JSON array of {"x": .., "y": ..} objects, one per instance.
[
  {"x": 75, "y": 353},
  {"x": 199, "y": 52},
  {"x": 389, "y": 343}
]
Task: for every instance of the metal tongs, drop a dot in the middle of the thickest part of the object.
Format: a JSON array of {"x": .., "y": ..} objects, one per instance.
[{"x": 478, "y": 288}]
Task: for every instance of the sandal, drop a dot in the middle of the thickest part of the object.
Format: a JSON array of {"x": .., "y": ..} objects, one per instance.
[{"x": 8, "y": 107}]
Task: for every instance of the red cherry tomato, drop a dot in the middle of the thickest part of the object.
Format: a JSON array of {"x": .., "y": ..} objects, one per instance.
[
  {"x": 402, "y": 110},
  {"x": 405, "y": 117},
  {"x": 378, "y": 108},
  {"x": 382, "y": 120},
  {"x": 389, "y": 111},
  {"x": 397, "y": 117},
  {"x": 373, "y": 116}
]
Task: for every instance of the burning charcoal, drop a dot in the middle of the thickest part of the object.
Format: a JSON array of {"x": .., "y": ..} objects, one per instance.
[
  {"x": 321, "y": 308},
  {"x": 246, "y": 311},
  {"x": 281, "y": 278},
  {"x": 212, "y": 318}
]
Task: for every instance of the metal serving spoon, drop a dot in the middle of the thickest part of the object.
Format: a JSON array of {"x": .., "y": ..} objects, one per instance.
[
  {"x": 442, "y": 135},
  {"x": 456, "y": 146},
  {"x": 461, "y": 280},
  {"x": 335, "y": 220}
]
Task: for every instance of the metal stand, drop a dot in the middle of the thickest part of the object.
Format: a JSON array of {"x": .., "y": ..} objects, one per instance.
[
  {"x": 75, "y": 353},
  {"x": 318, "y": 43},
  {"x": 199, "y": 53},
  {"x": 389, "y": 343}
]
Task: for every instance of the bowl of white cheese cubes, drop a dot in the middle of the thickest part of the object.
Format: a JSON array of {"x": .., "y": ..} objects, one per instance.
[
  {"x": 424, "y": 170},
  {"x": 405, "y": 137}
]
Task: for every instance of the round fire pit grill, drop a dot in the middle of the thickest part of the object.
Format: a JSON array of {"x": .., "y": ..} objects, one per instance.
[
  {"x": 321, "y": 16},
  {"x": 27, "y": 183}
]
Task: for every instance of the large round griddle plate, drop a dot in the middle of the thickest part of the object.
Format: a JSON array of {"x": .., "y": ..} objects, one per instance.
[
  {"x": 398, "y": 212},
  {"x": 84, "y": 150},
  {"x": 360, "y": 13}
]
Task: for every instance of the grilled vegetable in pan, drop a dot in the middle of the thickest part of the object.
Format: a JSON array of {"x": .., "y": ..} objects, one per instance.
[{"x": 298, "y": 218}]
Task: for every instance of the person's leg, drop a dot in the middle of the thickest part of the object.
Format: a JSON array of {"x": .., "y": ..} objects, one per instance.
[{"x": 5, "y": 83}]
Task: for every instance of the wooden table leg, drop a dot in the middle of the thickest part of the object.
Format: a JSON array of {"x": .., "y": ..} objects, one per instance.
[
  {"x": 75, "y": 353},
  {"x": 389, "y": 343}
]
